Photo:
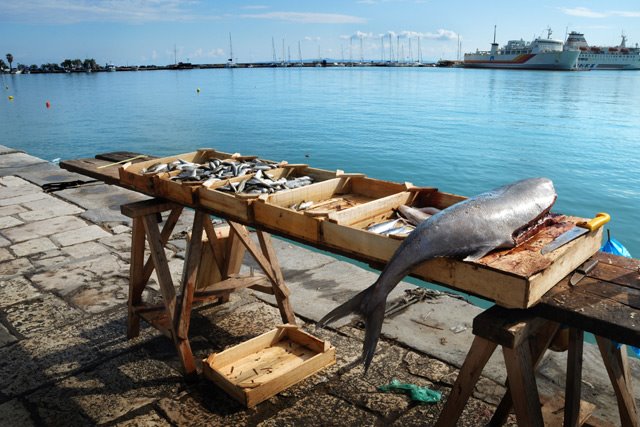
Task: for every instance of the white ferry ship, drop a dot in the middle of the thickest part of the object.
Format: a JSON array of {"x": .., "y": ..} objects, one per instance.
[
  {"x": 540, "y": 54},
  {"x": 603, "y": 58}
]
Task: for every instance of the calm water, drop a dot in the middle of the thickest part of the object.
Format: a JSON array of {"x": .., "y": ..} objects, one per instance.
[{"x": 464, "y": 131}]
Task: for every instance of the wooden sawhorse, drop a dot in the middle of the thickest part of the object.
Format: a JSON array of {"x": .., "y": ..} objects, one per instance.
[
  {"x": 173, "y": 317},
  {"x": 524, "y": 338}
]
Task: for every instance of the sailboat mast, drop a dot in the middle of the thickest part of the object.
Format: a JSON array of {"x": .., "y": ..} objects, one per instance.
[
  {"x": 230, "y": 50},
  {"x": 273, "y": 49}
]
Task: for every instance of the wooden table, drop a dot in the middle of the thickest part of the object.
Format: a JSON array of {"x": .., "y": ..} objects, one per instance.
[
  {"x": 227, "y": 249},
  {"x": 606, "y": 303}
]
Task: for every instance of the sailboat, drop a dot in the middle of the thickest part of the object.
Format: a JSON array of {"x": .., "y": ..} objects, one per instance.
[{"x": 230, "y": 62}]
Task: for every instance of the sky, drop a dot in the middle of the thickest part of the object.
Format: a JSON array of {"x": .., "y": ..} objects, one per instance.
[{"x": 160, "y": 32}]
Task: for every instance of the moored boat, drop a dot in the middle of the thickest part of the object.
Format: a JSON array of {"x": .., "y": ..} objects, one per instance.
[
  {"x": 603, "y": 58},
  {"x": 540, "y": 54}
]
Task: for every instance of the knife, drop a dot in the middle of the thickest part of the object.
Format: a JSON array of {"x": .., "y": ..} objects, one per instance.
[
  {"x": 581, "y": 228},
  {"x": 582, "y": 271}
]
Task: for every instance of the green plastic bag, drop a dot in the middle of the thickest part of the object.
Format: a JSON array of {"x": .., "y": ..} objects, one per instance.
[{"x": 416, "y": 393}]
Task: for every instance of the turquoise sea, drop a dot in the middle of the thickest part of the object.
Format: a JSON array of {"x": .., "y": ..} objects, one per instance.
[{"x": 463, "y": 131}]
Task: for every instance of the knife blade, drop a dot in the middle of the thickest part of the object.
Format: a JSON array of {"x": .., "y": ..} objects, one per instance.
[
  {"x": 582, "y": 271},
  {"x": 581, "y": 228}
]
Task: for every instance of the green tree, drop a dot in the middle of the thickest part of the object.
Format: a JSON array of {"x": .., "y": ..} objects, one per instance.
[
  {"x": 10, "y": 60},
  {"x": 2, "y": 65},
  {"x": 89, "y": 64},
  {"x": 66, "y": 64}
]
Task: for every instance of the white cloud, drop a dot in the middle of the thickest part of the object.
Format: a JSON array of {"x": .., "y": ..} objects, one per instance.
[
  {"x": 76, "y": 11},
  {"x": 255, "y": 7},
  {"x": 312, "y": 39},
  {"x": 308, "y": 17},
  {"x": 584, "y": 12}
]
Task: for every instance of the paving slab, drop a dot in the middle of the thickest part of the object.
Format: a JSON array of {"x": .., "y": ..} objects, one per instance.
[
  {"x": 205, "y": 405},
  {"x": 85, "y": 250},
  {"x": 30, "y": 197},
  {"x": 54, "y": 207},
  {"x": 79, "y": 235},
  {"x": 9, "y": 221},
  {"x": 119, "y": 243},
  {"x": 47, "y": 357},
  {"x": 12, "y": 162},
  {"x": 320, "y": 410},
  {"x": 101, "y": 295},
  {"x": 149, "y": 419},
  {"x": 114, "y": 388},
  {"x": 4, "y": 242},
  {"x": 34, "y": 246},
  {"x": 17, "y": 290},
  {"x": 17, "y": 187},
  {"x": 14, "y": 413},
  {"x": 70, "y": 277},
  {"x": 8, "y": 150},
  {"x": 101, "y": 201},
  {"x": 48, "y": 173},
  {"x": 42, "y": 228},
  {"x": 15, "y": 267},
  {"x": 11, "y": 210},
  {"x": 6, "y": 338},
  {"x": 317, "y": 291},
  {"x": 44, "y": 312},
  {"x": 5, "y": 255}
]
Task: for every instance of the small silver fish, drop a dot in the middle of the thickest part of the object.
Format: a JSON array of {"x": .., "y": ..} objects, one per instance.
[{"x": 383, "y": 226}]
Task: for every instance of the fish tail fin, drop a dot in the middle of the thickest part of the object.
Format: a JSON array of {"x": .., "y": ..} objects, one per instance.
[
  {"x": 354, "y": 305},
  {"x": 373, "y": 319}
]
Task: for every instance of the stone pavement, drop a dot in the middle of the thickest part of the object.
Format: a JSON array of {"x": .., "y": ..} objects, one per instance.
[{"x": 65, "y": 360}]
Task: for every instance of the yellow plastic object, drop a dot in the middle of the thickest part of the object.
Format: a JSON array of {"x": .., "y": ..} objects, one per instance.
[{"x": 598, "y": 221}]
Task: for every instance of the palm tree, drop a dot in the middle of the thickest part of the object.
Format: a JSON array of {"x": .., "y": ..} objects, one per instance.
[{"x": 10, "y": 60}]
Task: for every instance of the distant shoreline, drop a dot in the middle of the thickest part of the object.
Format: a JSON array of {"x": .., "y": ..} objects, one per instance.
[{"x": 189, "y": 66}]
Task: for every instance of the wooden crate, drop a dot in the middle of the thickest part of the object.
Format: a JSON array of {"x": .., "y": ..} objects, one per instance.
[
  {"x": 161, "y": 185},
  {"x": 262, "y": 367},
  {"x": 239, "y": 207},
  {"x": 514, "y": 278},
  {"x": 344, "y": 193}
]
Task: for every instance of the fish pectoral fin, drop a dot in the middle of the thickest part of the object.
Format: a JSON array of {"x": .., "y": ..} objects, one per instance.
[{"x": 479, "y": 253}]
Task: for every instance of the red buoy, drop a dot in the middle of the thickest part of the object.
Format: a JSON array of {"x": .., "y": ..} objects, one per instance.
[{"x": 48, "y": 104}]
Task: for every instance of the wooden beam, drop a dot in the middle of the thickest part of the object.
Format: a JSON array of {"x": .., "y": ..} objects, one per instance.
[
  {"x": 217, "y": 248},
  {"x": 167, "y": 229},
  {"x": 615, "y": 360},
  {"x": 478, "y": 356},
  {"x": 189, "y": 275},
  {"x": 522, "y": 383},
  {"x": 234, "y": 253},
  {"x": 136, "y": 276},
  {"x": 574, "y": 378},
  {"x": 160, "y": 261},
  {"x": 282, "y": 292}
]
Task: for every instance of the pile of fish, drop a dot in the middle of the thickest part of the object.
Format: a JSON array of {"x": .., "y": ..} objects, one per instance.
[
  {"x": 408, "y": 218},
  {"x": 217, "y": 170},
  {"x": 262, "y": 183}
]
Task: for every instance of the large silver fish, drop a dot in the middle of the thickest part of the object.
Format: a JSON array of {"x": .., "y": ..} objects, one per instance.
[{"x": 469, "y": 229}]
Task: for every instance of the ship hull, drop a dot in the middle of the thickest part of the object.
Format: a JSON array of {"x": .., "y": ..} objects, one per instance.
[
  {"x": 605, "y": 61},
  {"x": 563, "y": 60}
]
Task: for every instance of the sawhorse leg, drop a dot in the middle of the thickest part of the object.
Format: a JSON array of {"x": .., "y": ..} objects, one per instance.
[{"x": 615, "y": 360}]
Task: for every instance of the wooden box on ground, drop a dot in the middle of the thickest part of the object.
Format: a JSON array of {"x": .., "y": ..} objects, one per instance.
[
  {"x": 514, "y": 278},
  {"x": 342, "y": 194},
  {"x": 262, "y": 367},
  {"x": 239, "y": 207}
]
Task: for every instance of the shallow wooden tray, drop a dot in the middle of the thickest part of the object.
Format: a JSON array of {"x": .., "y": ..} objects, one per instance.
[
  {"x": 262, "y": 367},
  {"x": 514, "y": 278},
  {"x": 343, "y": 194},
  {"x": 239, "y": 207},
  {"x": 131, "y": 174}
]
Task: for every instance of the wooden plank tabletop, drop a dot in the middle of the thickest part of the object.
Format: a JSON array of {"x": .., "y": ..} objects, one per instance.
[
  {"x": 104, "y": 167},
  {"x": 606, "y": 302}
]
